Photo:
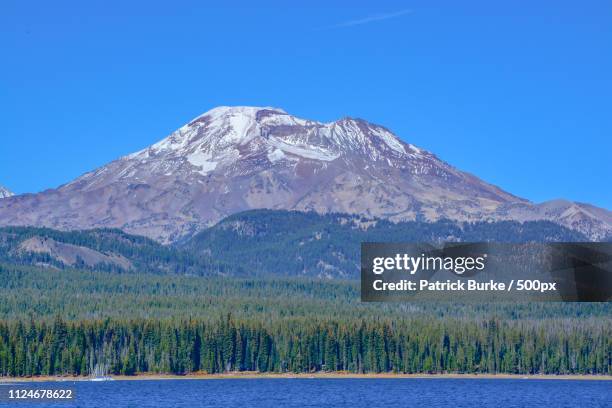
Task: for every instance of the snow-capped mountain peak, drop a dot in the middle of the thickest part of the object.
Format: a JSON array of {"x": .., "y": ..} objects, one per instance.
[
  {"x": 232, "y": 159},
  {"x": 223, "y": 136},
  {"x": 4, "y": 192}
]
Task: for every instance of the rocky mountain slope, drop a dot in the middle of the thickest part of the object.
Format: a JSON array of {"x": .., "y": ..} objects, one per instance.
[{"x": 232, "y": 159}]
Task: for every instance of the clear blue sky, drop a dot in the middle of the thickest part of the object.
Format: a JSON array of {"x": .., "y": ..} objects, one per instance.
[{"x": 516, "y": 92}]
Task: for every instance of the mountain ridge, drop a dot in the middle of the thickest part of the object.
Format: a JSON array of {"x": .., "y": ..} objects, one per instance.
[
  {"x": 328, "y": 245},
  {"x": 233, "y": 159},
  {"x": 255, "y": 243}
]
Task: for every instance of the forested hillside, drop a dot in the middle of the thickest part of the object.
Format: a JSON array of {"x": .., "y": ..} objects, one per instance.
[
  {"x": 101, "y": 250},
  {"x": 75, "y": 295},
  {"x": 297, "y": 243},
  {"x": 255, "y": 243}
]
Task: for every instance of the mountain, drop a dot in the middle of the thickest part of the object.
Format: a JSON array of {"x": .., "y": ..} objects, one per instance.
[
  {"x": 592, "y": 221},
  {"x": 233, "y": 159},
  {"x": 328, "y": 246},
  {"x": 101, "y": 250},
  {"x": 4, "y": 192},
  {"x": 254, "y": 243}
]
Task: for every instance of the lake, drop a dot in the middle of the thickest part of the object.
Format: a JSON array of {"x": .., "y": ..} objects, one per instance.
[{"x": 353, "y": 393}]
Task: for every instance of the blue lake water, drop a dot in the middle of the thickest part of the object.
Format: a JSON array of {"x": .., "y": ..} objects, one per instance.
[{"x": 353, "y": 393}]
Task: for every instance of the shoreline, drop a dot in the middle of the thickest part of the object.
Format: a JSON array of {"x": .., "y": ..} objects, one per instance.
[{"x": 335, "y": 375}]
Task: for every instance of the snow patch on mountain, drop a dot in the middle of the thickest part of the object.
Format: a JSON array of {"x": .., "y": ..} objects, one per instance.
[
  {"x": 276, "y": 155},
  {"x": 305, "y": 151},
  {"x": 203, "y": 160},
  {"x": 390, "y": 140},
  {"x": 5, "y": 193}
]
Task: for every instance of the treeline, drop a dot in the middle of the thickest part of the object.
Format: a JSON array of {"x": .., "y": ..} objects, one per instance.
[{"x": 303, "y": 346}]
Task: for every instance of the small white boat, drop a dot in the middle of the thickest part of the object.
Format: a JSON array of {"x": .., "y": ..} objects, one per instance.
[{"x": 103, "y": 378}]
